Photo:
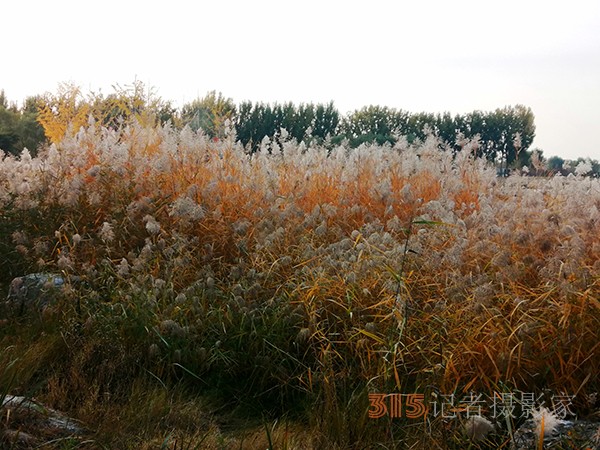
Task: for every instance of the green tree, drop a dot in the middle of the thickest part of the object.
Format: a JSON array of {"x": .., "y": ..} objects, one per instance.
[
  {"x": 418, "y": 125},
  {"x": 326, "y": 121},
  {"x": 448, "y": 128},
  {"x": 19, "y": 128},
  {"x": 295, "y": 120},
  {"x": 302, "y": 119},
  {"x": 30, "y": 131},
  {"x": 3, "y": 100},
  {"x": 244, "y": 126},
  {"x": 8, "y": 134},
  {"x": 502, "y": 133},
  {"x": 556, "y": 164},
  {"x": 255, "y": 121},
  {"x": 375, "y": 124},
  {"x": 512, "y": 130},
  {"x": 209, "y": 114}
]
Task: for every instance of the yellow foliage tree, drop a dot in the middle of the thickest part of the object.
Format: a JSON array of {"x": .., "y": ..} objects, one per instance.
[
  {"x": 127, "y": 104},
  {"x": 68, "y": 110},
  {"x": 63, "y": 112}
]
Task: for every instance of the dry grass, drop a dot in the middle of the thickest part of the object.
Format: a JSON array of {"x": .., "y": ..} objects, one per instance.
[{"x": 294, "y": 282}]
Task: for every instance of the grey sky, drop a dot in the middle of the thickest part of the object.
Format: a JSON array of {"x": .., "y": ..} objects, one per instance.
[{"x": 429, "y": 55}]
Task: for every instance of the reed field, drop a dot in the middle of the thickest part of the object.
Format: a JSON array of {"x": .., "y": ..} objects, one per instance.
[{"x": 220, "y": 298}]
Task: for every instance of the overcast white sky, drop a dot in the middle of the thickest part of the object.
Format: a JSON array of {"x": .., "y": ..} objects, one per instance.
[{"x": 425, "y": 55}]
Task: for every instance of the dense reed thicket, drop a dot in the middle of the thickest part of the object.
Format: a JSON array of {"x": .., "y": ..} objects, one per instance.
[{"x": 298, "y": 278}]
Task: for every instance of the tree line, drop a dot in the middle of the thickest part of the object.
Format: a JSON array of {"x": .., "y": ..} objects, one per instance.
[{"x": 504, "y": 135}]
